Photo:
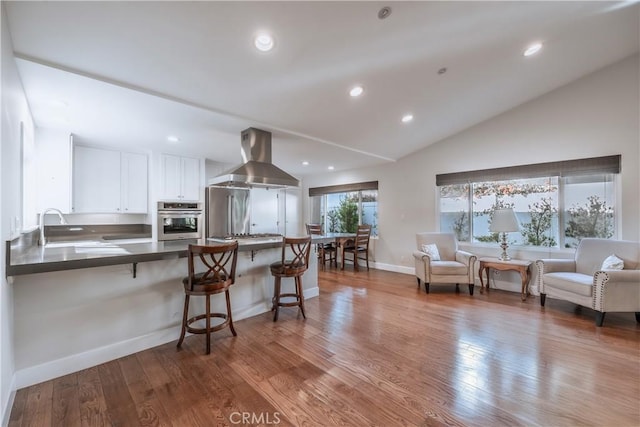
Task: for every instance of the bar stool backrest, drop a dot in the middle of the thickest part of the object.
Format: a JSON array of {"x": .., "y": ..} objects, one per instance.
[
  {"x": 219, "y": 262},
  {"x": 298, "y": 248}
]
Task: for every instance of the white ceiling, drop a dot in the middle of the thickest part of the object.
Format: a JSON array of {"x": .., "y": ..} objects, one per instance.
[{"x": 132, "y": 73}]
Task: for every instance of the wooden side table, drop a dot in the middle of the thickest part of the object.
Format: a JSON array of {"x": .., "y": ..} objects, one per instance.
[{"x": 521, "y": 266}]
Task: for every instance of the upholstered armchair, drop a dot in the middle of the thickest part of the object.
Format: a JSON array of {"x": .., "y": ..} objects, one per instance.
[
  {"x": 585, "y": 282},
  {"x": 438, "y": 260}
]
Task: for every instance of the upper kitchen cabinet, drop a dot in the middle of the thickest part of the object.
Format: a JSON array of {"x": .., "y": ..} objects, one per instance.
[
  {"x": 53, "y": 169},
  {"x": 180, "y": 178},
  {"x": 108, "y": 181}
]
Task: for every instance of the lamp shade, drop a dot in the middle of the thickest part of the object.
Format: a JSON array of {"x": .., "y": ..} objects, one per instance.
[{"x": 504, "y": 221}]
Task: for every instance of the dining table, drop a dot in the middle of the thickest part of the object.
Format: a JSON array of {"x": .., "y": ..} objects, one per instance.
[{"x": 339, "y": 239}]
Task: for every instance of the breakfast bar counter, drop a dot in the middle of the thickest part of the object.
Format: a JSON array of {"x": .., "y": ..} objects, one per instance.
[{"x": 78, "y": 304}]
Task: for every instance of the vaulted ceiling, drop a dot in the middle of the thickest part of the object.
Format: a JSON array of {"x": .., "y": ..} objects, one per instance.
[{"x": 129, "y": 74}]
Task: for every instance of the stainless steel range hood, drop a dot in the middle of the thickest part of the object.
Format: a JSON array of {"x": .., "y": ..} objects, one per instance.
[{"x": 257, "y": 169}]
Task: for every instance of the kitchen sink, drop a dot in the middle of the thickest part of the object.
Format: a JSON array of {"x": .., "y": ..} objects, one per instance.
[
  {"x": 77, "y": 243},
  {"x": 90, "y": 247}
]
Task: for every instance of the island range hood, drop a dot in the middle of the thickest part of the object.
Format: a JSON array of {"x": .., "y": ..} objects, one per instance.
[{"x": 257, "y": 169}]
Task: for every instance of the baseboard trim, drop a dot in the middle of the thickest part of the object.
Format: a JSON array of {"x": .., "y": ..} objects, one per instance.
[
  {"x": 394, "y": 268},
  {"x": 311, "y": 292},
  {"x": 8, "y": 405},
  {"x": 77, "y": 362}
]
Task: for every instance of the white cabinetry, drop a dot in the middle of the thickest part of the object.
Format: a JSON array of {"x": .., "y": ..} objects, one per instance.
[
  {"x": 54, "y": 166},
  {"x": 134, "y": 182},
  {"x": 109, "y": 181},
  {"x": 180, "y": 178}
]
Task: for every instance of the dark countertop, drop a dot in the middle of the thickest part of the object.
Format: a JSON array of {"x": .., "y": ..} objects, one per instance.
[
  {"x": 38, "y": 259},
  {"x": 24, "y": 256}
]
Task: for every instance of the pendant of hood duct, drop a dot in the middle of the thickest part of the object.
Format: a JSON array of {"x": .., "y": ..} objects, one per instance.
[{"x": 257, "y": 169}]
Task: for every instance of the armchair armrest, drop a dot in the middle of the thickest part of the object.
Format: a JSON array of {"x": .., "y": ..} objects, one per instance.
[
  {"x": 421, "y": 256},
  {"x": 422, "y": 265},
  {"x": 466, "y": 258},
  {"x": 616, "y": 290},
  {"x": 632, "y": 276},
  {"x": 551, "y": 265}
]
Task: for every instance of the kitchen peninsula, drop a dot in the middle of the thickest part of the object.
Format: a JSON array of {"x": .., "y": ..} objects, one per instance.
[{"x": 94, "y": 305}]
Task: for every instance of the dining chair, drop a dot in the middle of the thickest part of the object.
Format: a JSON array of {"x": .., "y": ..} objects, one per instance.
[
  {"x": 326, "y": 251},
  {"x": 359, "y": 248},
  {"x": 220, "y": 273},
  {"x": 298, "y": 249}
]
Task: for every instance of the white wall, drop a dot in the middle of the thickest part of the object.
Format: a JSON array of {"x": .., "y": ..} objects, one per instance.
[
  {"x": 14, "y": 111},
  {"x": 597, "y": 115}
]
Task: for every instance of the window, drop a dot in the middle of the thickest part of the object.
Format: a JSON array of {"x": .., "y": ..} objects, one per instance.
[
  {"x": 557, "y": 206},
  {"x": 341, "y": 208}
]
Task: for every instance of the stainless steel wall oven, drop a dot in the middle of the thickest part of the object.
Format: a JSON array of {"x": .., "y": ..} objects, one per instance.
[{"x": 180, "y": 220}]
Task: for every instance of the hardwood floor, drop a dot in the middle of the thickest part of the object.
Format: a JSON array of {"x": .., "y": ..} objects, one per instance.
[{"x": 374, "y": 350}]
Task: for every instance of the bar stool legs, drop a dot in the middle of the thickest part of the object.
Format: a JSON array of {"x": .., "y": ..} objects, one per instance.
[
  {"x": 298, "y": 295},
  {"x": 207, "y": 330}
]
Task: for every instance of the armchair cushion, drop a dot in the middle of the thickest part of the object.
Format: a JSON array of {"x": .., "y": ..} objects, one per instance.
[
  {"x": 448, "y": 267},
  {"x": 577, "y": 283}
]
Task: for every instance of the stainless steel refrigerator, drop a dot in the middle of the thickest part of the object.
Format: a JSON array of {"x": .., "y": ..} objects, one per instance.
[{"x": 228, "y": 211}]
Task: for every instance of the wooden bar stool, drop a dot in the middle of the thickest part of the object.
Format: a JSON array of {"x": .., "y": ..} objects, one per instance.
[
  {"x": 220, "y": 263},
  {"x": 326, "y": 251},
  {"x": 298, "y": 248}
]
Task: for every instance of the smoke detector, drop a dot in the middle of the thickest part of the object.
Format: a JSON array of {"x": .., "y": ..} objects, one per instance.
[{"x": 384, "y": 12}]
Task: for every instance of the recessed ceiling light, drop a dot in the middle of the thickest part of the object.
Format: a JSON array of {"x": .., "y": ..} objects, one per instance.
[
  {"x": 407, "y": 118},
  {"x": 173, "y": 138},
  {"x": 305, "y": 163},
  {"x": 356, "y": 91},
  {"x": 331, "y": 168},
  {"x": 533, "y": 49},
  {"x": 263, "y": 42}
]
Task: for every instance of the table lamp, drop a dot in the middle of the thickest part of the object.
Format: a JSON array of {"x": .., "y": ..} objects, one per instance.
[{"x": 504, "y": 221}]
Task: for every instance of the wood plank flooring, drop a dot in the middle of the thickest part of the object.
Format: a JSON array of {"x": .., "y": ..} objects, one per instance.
[{"x": 373, "y": 351}]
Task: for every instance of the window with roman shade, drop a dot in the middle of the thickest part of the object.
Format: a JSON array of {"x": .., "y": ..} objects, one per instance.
[
  {"x": 341, "y": 208},
  {"x": 556, "y": 203}
]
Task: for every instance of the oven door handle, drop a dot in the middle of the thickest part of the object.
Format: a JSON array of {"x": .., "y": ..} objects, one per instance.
[
  {"x": 173, "y": 213},
  {"x": 186, "y": 215},
  {"x": 229, "y": 214}
]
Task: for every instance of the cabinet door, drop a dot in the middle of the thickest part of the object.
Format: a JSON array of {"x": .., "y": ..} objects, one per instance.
[
  {"x": 190, "y": 179},
  {"x": 96, "y": 180},
  {"x": 171, "y": 177},
  {"x": 292, "y": 212},
  {"x": 264, "y": 210},
  {"x": 134, "y": 183}
]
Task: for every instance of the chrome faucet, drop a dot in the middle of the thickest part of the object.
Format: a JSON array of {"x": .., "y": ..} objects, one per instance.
[{"x": 43, "y": 241}]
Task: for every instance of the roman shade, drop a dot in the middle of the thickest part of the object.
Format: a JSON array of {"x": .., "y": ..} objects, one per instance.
[{"x": 588, "y": 166}]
